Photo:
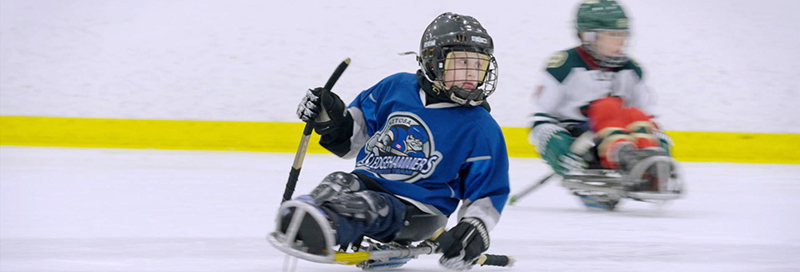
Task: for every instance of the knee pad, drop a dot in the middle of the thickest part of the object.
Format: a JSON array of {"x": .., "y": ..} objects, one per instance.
[
  {"x": 644, "y": 140},
  {"x": 363, "y": 206},
  {"x": 334, "y": 184},
  {"x": 609, "y": 148}
]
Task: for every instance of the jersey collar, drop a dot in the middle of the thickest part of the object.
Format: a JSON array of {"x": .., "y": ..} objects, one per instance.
[
  {"x": 589, "y": 60},
  {"x": 434, "y": 105}
]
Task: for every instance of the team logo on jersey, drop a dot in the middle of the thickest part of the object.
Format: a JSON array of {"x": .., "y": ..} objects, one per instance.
[
  {"x": 403, "y": 150},
  {"x": 557, "y": 60}
]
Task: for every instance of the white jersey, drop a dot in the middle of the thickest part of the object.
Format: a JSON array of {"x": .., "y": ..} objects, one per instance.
[{"x": 572, "y": 81}]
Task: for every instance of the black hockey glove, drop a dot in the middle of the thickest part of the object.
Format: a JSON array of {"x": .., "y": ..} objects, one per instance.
[
  {"x": 463, "y": 244},
  {"x": 327, "y": 113}
]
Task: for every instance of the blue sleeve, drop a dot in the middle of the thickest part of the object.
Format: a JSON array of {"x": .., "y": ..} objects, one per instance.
[
  {"x": 485, "y": 179},
  {"x": 367, "y": 104}
]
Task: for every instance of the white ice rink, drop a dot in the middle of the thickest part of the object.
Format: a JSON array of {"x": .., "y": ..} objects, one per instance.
[{"x": 67, "y": 209}]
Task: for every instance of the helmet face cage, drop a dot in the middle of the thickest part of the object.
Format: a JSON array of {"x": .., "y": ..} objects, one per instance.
[
  {"x": 454, "y": 66},
  {"x": 608, "y": 46},
  {"x": 453, "y": 49}
]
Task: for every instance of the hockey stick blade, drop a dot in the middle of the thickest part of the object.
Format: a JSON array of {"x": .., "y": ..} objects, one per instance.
[{"x": 294, "y": 173}]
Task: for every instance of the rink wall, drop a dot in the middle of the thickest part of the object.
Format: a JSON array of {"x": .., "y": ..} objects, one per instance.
[
  {"x": 285, "y": 137},
  {"x": 227, "y": 75}
]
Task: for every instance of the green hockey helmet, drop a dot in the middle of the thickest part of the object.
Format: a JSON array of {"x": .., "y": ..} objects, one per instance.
[{"x": 605, "y": 18}]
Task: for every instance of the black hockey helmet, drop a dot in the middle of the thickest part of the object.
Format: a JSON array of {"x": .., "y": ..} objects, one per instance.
[{"x": 449, "y": 33}]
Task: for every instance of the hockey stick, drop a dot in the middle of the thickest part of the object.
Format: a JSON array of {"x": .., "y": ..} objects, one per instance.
[
  {"x": 301, "y": 150},
  {"x": 514, "y": 198},
  {"x": 424, "y": 248}
]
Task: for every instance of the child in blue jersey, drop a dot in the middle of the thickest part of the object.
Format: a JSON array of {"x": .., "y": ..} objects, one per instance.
[{"x": 422, "y": 144}]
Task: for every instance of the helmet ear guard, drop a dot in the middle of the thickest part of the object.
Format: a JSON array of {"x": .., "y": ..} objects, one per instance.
[{"x": 589, "y": 36}]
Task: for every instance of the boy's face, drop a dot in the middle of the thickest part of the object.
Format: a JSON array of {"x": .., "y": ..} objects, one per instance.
[
  {"x": 465, "y": 70},
  {"x": 612, "y": 43}
]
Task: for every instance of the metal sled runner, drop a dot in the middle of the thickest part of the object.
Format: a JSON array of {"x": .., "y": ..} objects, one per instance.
[{"x": 662, "y": 184}]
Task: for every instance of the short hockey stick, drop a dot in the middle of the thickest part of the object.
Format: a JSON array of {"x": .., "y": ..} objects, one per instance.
[
  {"x": 301, "y": 150},
  {"x": 514, "y": 198}
]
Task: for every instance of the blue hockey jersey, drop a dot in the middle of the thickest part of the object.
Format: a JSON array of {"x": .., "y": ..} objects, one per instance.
[{"x": 437, "y": 154}]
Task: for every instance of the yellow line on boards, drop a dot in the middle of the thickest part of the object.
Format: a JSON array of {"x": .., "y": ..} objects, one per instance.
[
  {"x": 159, "y": 134},
  {"x": 285, "y": 137}
]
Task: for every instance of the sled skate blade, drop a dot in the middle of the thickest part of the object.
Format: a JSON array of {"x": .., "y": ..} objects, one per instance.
[
  {"x": 378, "y": 255},
  {"x": 654, "y": 179},
  {"x": 306, "y": 235},
  {"x": 645, "y": 196},
  {"x": 373, "y": 260},
  {"x": 598, "y": 201},
  {"x": 384, "y": 264},
  {"x": 611, "y": 190}
]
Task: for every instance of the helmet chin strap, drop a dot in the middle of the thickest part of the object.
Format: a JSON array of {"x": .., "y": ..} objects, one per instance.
[
  {"x": 461, "y": 101},
  {"x": 457, "y": 99},
  {"x": 438, "y": 88},
  {"x": 469, "y": 101}
]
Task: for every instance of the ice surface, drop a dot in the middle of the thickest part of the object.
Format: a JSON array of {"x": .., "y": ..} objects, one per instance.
[{"x": 69, "y": 209}]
